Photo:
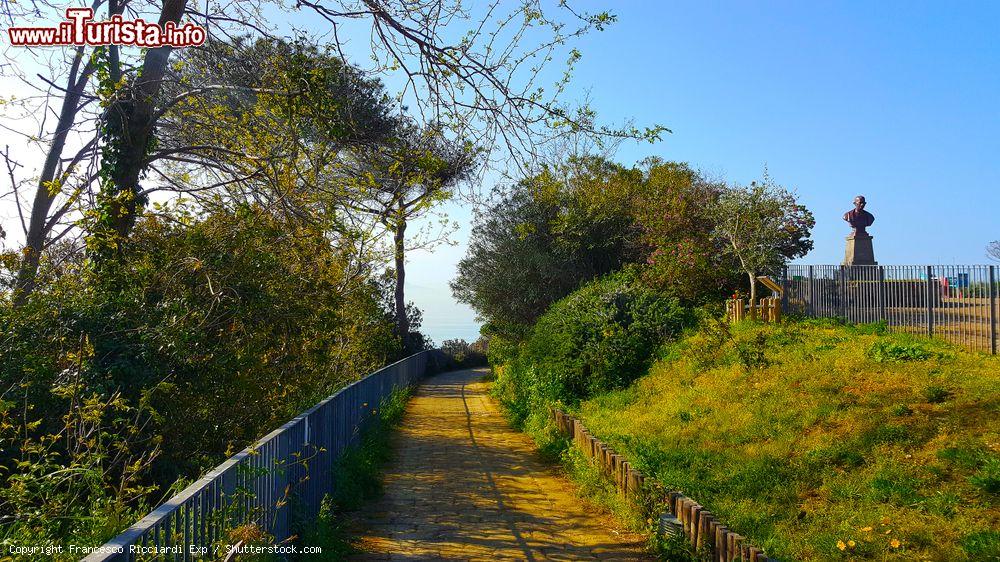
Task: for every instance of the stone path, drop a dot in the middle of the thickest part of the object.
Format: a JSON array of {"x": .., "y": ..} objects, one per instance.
[{"x": 465, "y": 486}]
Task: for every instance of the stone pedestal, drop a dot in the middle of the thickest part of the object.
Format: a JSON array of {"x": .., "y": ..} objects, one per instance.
[{"x": 859, "y": 250}]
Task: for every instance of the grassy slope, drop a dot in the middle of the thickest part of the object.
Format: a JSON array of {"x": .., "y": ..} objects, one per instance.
[{"x": 832, "y": 434}]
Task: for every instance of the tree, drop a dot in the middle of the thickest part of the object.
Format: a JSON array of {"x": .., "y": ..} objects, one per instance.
[
  {"x": 120, "y": 105},
  {"x": 762, "y": 225},
  {"x": 276, "y": 134},
  {"x": 673, "y": 211},
  {"x": 993, "y": 250},
  {"x": 477, "y": 72},
  {"x": 481, "y": 69},
  {"x": 401, "y": 180},
  {"x": 553, "y": 232}
]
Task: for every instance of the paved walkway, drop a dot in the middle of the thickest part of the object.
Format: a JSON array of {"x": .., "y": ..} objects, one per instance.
[{"x": 465, "y": 486}]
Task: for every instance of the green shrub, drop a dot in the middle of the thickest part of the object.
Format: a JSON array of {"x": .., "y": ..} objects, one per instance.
[
  {"x": 902, "y": 410},
  {"x": 217, "y": 328},
  {"x": 600, "y": 338},
  {"x": 888, "y": 351},
  {"x": 464, "y": 355},
  {"x": 936, "y": 394}
]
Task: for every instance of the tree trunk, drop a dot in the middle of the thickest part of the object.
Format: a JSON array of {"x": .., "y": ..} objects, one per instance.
[
  {"x": 45, "y": 192},
  {"x": 753, "y": 295},
  {"x": 132, "y": 118},
  {"x": 402, "y": 322}
]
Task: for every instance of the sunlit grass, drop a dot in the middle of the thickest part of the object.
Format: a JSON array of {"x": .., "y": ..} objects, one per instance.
[{"x": 821, "y": 441}]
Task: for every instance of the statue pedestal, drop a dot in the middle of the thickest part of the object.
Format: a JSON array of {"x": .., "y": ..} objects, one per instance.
[{"x": 859, "y": 250}]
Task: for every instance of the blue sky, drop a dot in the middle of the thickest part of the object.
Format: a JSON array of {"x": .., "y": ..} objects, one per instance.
[
  {"x": 899, "y": 101},
  {"x": 896, "y": 101}
]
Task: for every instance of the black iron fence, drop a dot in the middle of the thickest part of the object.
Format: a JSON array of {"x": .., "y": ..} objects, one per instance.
[
  {"x": 958, "y": 303},
  {"x": 255, "y": 489}
]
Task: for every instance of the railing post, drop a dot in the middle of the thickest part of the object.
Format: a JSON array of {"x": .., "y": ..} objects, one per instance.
[
  {"x": 842, "y": 289},
  {"x": 812, "y": 293},
  {"x": 881, "y": 294},
  {"x": 784, "y": 287},
  {"x": 993, "y": 310},
  {"x": 930, "y": 302}
]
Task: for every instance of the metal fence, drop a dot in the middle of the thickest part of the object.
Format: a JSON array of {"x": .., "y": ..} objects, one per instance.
[
  {"x": 958, "y": 303},
  {"x": 255, "y": 488}
]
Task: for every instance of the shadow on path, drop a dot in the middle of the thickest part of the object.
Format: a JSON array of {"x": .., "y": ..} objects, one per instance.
[{"x": 463, "y": 485}]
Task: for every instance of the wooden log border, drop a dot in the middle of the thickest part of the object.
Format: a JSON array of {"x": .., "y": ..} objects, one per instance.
[{"x": 701, "y": 528}]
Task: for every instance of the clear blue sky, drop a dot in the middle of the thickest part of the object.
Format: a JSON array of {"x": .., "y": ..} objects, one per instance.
[{"x": 897, "y": 101}]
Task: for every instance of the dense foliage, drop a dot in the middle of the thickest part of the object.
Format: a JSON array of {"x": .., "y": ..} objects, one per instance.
[
  {"x": 465, "y": 355},
  {"x": 600, "y": 338},
  {"x": 544, "y": 239},
  {"x": 204, "y": 334},
  {"x": 588, "y": 217}
]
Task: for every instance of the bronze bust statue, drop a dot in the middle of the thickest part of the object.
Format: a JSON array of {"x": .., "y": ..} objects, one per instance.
[{"x": 858, "y": 217}]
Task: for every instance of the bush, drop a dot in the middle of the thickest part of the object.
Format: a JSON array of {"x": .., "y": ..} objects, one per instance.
[
  {"x": 894, "y": 352},
  {"x": 465, "y": 355},
  {"x": 216, "y": 329},
  {"x": 600, "y": 338}
]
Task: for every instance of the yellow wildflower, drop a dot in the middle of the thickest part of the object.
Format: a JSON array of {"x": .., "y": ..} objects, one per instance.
[
  {"x": 894, "y": 543},
  {"x": 841, "y": 545}
]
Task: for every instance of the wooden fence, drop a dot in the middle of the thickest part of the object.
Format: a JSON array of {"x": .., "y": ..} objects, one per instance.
[
  {"x": 767, "y": 310},
  {"x": 705, "y": 533},
  {"x": 255, "y": 488}
]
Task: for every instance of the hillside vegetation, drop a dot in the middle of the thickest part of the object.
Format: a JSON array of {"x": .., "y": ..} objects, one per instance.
[{"x": 820, "y": 441}]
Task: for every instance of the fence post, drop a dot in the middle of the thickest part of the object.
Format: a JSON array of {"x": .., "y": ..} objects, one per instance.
[
  {"x": 930, "y": 303},
  {"x": 812, "y": 293},
  {"x": 784, "y": 287},
  {"x": 993, "y": 310},
  {"x": 842, "y": 290},
  {"x": 881, "y": 294}
]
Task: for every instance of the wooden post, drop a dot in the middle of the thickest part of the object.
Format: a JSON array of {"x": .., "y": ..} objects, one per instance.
[
  {"x": 735, "y": 546},
  {"x": 930, "y": 303},
  {"x": 993, "y": 310},
  {"x": 721, "y": 536},
  {"x": 704, "y": 524},
  {"x": 681, "y": 512},
  {"x": 633, "y": 482},
  {"x": 695, "y": 525}
]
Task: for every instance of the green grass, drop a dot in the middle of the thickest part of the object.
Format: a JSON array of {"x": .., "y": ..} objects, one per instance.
[
  {"x": 808, "y": 434},
  {"x": 357, "y": 478}
]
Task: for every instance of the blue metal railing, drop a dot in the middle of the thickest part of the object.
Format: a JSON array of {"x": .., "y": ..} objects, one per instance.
[{"x": 254, "y": 488}]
